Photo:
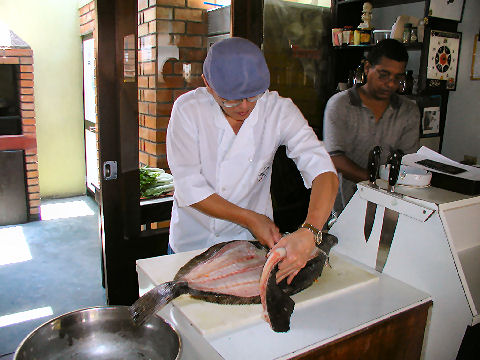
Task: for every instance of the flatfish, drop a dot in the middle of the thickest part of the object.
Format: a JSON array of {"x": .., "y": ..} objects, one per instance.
[{"x": 231, "y": 273}]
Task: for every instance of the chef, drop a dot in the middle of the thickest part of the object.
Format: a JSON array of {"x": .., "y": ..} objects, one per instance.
[{"x": 221, "y": 141}]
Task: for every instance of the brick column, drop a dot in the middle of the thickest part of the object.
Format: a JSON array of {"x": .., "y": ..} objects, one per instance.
[
  {"x": 171, "y": 48},
  {"x": 23, "y": 59},
  {"x": 87, "y": 18}
]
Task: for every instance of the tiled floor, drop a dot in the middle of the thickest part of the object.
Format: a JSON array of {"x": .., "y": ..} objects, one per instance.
[{"x": 48, "y": 268}]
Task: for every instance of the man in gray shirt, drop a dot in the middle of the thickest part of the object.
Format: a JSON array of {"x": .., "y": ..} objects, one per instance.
[{"x": 358, "y": 119}]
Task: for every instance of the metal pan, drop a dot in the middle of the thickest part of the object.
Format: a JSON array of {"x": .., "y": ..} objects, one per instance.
[{"x": 105, "y": 332}]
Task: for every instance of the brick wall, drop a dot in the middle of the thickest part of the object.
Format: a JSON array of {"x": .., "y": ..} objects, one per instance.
[
  {"x": 87, "y": 18},
  {"x": 23, "y": 58},
  {"x": 172, "y": 42}
]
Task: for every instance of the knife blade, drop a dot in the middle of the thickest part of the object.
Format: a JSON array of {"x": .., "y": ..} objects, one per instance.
[
  {"x": 390, "y": 217},
  {"x": 373, "y": 167}
]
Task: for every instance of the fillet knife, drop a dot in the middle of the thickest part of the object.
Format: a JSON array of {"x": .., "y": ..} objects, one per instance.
[
  {"x": 373, "y": 167},
  {"x": 390, "y": 217}
]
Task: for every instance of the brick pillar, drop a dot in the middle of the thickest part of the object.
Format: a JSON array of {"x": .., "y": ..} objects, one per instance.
[
  {"x": 87, "y": 18},
  {"x": 23, "y": 59},
  {"x": 172, "y": 38}
]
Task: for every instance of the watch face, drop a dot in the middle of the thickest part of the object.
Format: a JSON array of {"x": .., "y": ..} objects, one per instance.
[{"x": 443, "y": 58}]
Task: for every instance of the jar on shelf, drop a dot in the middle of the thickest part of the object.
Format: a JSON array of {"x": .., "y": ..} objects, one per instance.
[
  {"x": 407, "y": 29},
  {"x": 365, "y": 36},
  {"x": 348, "y": 35},
  {"x": 356, "y": 37}
]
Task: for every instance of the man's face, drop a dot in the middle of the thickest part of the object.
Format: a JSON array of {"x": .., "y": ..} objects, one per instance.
[
  {"x": 240, "y": 112},
  {"x": 384, "y": 78}
]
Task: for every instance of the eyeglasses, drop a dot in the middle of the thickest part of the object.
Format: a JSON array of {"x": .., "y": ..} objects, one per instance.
[
  {"x": 385, "y": 76},
  {"x": 233, "y": 103}
]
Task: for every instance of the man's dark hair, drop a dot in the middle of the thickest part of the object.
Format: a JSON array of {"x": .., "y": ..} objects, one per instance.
[{"x": 390, "y": 48}]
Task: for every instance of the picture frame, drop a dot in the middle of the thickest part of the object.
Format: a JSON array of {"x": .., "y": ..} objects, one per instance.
[
  {"x": 430, "y": 107},
  {"x": 443, "y": 53},
  {"x": 446, "y": 9},
  {"x": 431, "y": 121}
]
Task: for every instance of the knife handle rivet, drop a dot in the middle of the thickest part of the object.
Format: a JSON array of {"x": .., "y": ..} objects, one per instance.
[{"x": 424, "y": 211}]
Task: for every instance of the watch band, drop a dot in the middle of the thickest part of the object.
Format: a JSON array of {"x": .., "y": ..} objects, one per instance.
[{"x": 316, "y": 233}]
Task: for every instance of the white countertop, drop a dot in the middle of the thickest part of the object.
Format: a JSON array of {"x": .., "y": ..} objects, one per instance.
[{"x": 350, "y": 297}]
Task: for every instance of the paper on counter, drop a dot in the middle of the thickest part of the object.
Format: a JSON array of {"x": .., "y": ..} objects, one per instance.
[{"x": 471, "y": 173}]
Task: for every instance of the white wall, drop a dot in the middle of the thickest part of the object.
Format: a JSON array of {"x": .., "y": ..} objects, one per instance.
[
  {"x": 462, "y": 129},
  {"x": 51, "y": 28}
]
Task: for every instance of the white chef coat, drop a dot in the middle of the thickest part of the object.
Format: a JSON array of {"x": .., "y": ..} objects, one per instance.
[{"x": 206, "y": 157}]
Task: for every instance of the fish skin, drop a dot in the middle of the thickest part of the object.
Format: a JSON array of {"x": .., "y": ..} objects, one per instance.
[{"x": 277, "y": 306}]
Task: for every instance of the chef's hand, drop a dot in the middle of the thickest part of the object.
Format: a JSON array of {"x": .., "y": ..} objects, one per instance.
[
  {"x": 300, "y": 247},
  {"x": 264, "y": 229}
]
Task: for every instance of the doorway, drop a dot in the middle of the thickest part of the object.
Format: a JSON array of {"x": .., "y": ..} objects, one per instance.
[{"x": 90, "y": 117}]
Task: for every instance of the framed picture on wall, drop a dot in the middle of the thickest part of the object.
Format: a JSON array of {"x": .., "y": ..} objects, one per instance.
[
  {"x": 430, "y": 115},
  {"x": 446, "y": 9},
  {"x": 443, "y": 49},
  {"x": 431, "y": 121}
]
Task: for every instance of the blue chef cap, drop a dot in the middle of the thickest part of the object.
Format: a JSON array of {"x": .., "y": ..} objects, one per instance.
[{"x": 236, "y": 69}]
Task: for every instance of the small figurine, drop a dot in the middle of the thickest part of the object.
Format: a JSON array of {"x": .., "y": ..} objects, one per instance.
[{"x": 366, "y": 16}]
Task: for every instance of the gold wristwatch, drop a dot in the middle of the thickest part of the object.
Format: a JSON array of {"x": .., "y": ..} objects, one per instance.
[{"x": 316, "y": 233}]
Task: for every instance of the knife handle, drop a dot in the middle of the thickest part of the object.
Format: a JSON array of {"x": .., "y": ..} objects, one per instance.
[
  {"x": 374, "y": 163},
  {"x": 395, "y": 161}
]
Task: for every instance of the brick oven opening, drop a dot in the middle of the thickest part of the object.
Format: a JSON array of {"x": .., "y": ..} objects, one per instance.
[{"x": 10, "y": 121}]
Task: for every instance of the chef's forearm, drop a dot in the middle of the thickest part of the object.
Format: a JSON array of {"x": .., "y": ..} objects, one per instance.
[
  {"x": 322, "y": 197},
  {"x": 349, "y": 169},
  {"x": 217, "y": 207}
]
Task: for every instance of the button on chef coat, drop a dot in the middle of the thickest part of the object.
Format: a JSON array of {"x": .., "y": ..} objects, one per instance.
[{"x": 206, "y": 157}]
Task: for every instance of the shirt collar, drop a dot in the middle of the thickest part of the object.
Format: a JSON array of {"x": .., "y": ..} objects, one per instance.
[{"x": 355, "y": 99}]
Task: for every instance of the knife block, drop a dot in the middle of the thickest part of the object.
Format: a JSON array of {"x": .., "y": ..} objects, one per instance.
[{"x": 433, "y": 249}]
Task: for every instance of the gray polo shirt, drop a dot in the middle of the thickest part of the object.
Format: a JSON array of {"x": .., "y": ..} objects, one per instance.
[{"x": 350, "y": 129}]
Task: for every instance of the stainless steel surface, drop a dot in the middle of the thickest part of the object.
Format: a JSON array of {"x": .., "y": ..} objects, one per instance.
[
  {"x": 369, "y": 219},
  {"x": 390, "y": 218},
  {"x": 100, "y": 333},
  {"x": 373, "y": 167}
]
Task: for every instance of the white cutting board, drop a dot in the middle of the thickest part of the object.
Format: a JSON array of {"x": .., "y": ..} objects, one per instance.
[{"x": 213, "y": 320}]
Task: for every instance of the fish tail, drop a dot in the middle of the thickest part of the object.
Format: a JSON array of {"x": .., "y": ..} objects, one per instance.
[{"x": 155, "y": 299}]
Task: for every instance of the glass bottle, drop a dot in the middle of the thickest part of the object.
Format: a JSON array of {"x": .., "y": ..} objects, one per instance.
[
  {"x": 359, "y": 78},
  {"x": 350, "y": 79},
  {"x": 406, "y": 84},
  {"x": 413, "y": 35},
  {"x": 406, "y": 33},
  {"x": 409, "y": 82}
]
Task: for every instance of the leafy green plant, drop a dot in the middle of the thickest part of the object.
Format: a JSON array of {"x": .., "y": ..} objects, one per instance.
[{"x": 154, "y": 182}]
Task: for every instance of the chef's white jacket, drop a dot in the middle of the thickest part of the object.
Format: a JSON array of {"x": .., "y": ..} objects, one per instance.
[{"x": 206, "y": 157}]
